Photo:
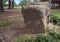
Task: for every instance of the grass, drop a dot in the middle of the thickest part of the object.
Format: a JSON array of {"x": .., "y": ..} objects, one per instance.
[
  {"x": 51, "y": 36},
  {"x": 55, "y": 18},
  {"x": 24, "y": 39},
  {"x": 6, "y": 23},
  {"x": 56, "y": 13}
]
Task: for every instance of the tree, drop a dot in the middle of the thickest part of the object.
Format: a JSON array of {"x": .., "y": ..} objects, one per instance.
[
  {"x": 4, "y": 1},
  {"x": 12, "y": 3},
  {"x": 50, "y": 8},
  {"x": 24, "y": 2},
  {"x": 1, "y": 6},
  {"x": 36, "y": 0},
  {"x": 59, "y": 5}
]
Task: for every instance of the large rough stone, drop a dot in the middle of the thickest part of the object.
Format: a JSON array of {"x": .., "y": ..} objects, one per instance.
[
  {"x": 36, "y": 16},
  {"x": 0, "y": 40}
]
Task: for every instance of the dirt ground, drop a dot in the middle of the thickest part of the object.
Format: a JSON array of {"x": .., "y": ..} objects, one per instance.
[
  {"x": 10, "y": 30},
  {"x": 11, "y": 15}
]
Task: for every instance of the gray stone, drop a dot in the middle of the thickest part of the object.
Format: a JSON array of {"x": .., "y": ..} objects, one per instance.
[
  {"x": 0, "y": 40},
  {"x": 36, "y": 16}
]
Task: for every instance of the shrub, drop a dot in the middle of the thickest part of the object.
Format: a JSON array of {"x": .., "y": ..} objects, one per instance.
[
  {"x": 40, "y": 38},
  {"x": 55, "y": 20},
  {"x": 51, "y": 36}
]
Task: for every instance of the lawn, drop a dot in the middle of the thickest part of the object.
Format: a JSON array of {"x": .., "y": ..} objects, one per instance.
[
  {"x": 51, "y": 36},
  {"x": 56, "y": 13},
  {"x": 55, "y": 18}
]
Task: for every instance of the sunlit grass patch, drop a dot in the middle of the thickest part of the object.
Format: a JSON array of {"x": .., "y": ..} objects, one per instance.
[
  {"x": 55, "y": 18},
  {"x": 56, "y": 13}
]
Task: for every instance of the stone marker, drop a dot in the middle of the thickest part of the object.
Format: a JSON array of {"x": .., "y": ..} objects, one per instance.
[{"x": 36, "y": 16}]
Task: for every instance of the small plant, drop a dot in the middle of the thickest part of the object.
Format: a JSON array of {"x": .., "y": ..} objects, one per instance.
[
  {"x": 29, "y": 40},
  {"x": 40, "y": 38}
]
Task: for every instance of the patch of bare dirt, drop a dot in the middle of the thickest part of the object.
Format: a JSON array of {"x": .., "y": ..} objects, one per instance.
[{"x": 9, "y": 32}]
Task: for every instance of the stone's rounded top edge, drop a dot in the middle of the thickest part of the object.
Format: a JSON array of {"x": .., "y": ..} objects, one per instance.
[{"x": 38, "y": 3}]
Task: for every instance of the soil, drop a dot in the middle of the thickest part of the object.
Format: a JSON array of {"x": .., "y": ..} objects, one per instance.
[{"x": 8, "y": 33}]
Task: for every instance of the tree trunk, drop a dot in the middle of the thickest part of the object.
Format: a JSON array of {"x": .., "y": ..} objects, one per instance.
[
  {"x": 43, "y": 0},
  {"x": 13, "y": 4},
  {"x": 59, "y": 5},
  {"x": 9, "y": 4},
  {"x": 50, "y": 10},
  {"x": 1, "y": 6}
]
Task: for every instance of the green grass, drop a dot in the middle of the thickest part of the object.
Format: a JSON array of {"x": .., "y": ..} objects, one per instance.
[
  {"x": 56, "y": 13},
  {"x": 51, "y": 36},
  {"x": 6, "y": 23},
  {"x": 55, "y": 16}
]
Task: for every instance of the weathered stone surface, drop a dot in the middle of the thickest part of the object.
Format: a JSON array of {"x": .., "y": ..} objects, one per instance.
[
  {"x": 36, "y": 16},
  {"x": 0, "y": 40}
]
